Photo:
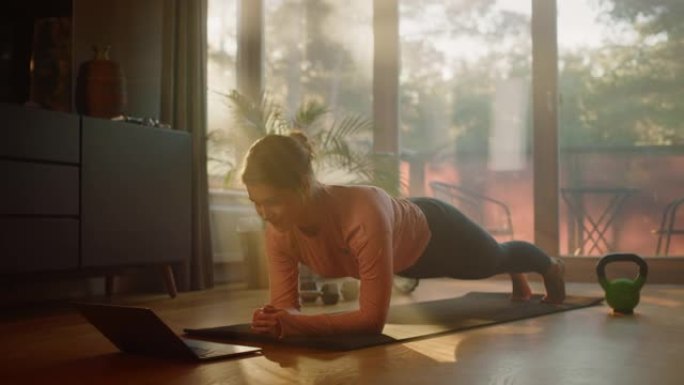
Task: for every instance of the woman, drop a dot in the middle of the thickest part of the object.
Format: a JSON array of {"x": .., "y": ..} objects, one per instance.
[{"x": 362, "y": 232}]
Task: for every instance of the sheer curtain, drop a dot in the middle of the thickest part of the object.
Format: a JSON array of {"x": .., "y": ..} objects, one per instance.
[{"x": 184, "y": 106}]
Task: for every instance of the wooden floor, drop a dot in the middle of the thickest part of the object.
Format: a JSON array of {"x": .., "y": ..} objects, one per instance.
[{"x": 54, "y": 345}]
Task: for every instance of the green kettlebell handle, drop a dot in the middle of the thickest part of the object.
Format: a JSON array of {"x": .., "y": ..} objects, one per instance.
[{"x": 601, "y": 268}]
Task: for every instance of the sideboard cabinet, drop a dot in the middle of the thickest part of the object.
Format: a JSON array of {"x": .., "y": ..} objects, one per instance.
[{"x": 85, "y": 194}]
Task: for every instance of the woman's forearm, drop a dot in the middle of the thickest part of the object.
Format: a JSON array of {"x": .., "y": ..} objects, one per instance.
[{"x": 353, "y": 322}]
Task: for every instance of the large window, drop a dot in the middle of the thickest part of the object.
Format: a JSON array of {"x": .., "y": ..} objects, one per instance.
[
  {"x": 318, "y": 53},
  {"x": 228, "y": 207},
  {"x": 221, "y": 79},
  {"x": 319, "y": 49},
  {"x": 464, "y": 107},
  {"x": 621, "y": 130}
]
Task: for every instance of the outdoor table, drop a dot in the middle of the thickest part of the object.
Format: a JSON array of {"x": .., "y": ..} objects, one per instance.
[{"x": 593, "y": 225}]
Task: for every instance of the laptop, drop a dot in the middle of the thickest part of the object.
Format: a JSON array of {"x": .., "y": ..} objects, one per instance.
[{"x": 139, "y": 330}]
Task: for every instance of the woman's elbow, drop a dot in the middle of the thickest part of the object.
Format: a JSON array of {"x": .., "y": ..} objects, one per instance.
[
  {"x": 374, "y": 325},
  {"x": 376, "y": 328}
]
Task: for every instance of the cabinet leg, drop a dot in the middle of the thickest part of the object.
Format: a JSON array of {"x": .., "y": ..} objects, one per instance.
[
  {"x": 169, "y": 280},
  {"x": 109, "y": 285}
]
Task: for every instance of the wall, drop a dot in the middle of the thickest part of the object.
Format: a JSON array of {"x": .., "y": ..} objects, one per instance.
[
  {"x": 133, "y": 28},
  {"x": 654, "y": 173},
  {"x": 233, "y": 218}
]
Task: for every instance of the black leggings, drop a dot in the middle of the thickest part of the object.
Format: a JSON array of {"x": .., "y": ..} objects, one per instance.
[{"x": 460, "y": 248}]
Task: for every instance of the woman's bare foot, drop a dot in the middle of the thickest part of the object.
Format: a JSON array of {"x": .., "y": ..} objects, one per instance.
[
  {"x": 554, "y": 282},
  {"x": 521, "y": 289}
]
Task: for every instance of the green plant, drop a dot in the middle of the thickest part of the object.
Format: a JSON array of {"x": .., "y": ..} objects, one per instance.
[{"x": 342, "y": 152}]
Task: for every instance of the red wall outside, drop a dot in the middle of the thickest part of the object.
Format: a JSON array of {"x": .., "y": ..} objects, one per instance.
[{"x": 657, "y": 174}]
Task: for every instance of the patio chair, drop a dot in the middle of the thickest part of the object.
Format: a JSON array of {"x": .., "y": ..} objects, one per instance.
[
  {"x": 669, "y": 227},
  {"x": 493, "y": 215}
]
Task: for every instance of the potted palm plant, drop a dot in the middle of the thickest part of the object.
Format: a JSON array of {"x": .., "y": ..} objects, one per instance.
[{"x": 342, "y": 143}]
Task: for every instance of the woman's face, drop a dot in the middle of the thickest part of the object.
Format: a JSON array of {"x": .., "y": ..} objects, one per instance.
[{"x": 282, "y": 208}]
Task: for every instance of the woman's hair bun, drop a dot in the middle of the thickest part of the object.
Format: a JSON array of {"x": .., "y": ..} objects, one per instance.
[
  {"x": 303, "y": 140},
  {"x": 282, "y": 161}
]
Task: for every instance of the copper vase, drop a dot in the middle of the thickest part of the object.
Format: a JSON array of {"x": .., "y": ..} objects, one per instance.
[{"x": 101, "y": 86}]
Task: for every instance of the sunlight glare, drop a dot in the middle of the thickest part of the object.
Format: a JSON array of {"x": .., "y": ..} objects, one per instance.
[
  {"x": 660, "y": 301},
  {"x": 578, "y": 24}
]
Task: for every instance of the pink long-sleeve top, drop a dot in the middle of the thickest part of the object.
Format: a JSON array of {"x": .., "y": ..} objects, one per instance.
[{"x": 365, "y": 234}]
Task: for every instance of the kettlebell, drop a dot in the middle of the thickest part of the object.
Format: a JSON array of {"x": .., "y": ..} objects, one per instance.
[{"x": 622, "y": 294}]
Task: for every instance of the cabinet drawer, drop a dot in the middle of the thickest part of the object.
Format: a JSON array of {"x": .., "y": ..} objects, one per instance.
[
  {"x": 30, "y": 133},
  {"x": 38, "y": 244},
  {"x": 38, "y": 189}
]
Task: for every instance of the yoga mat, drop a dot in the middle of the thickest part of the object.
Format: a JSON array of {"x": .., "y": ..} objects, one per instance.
[{"x": 414, "y": 321}]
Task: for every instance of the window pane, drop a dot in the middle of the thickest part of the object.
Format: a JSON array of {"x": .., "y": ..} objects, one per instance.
[
  {"x": 221, "y": 57},
  {"x": 229, "y": 208},
  {"x": 321, "y": 50},
  {"x": 621, "y": 131},
  {"x": 465, "y": 108}
]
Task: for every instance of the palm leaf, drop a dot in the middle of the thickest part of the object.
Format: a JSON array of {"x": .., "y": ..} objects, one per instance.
[
  {"x": 308, "y": 114},
  {"x": 332, "y": 137}
]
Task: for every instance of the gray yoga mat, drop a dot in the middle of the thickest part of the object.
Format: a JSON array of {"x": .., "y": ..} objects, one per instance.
[{"x": 414, "y": 321}]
